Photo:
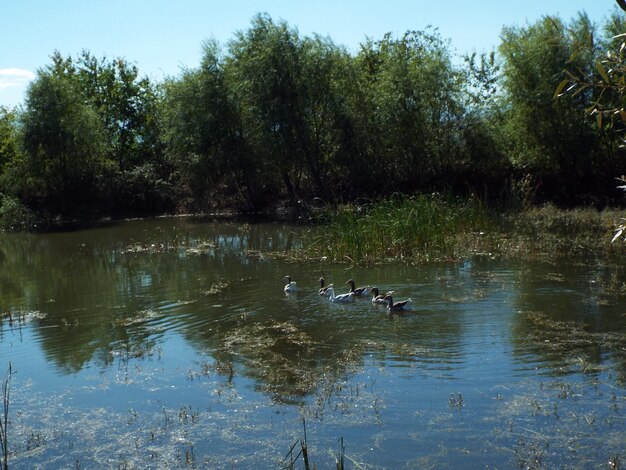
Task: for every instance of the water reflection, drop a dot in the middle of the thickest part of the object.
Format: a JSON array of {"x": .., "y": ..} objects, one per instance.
[
  {"x": 130, "y": 284},
  {"x": 193, "y": 312},
  {"x": 562, "y": 322}
]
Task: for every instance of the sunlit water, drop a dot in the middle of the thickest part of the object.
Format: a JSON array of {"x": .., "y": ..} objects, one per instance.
[{"x": 170, "y": 343}]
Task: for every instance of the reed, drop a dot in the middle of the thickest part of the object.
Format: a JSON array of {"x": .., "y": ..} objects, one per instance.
[
  {"x": 289, "y": 460},
  {"x": 430, "y": 228},
  {"x": 4, "y": 420},
  {"x": 399, "y": 227}
]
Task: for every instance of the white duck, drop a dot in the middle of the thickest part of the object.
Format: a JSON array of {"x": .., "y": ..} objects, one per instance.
[
  {"x": 392, "y": 306},
  {"x": 341, "y": 298},
  {"x": 290, "y": 287}
]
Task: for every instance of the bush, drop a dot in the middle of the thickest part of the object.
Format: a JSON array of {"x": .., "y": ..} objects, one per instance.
[{"x": 15, "y": 216}]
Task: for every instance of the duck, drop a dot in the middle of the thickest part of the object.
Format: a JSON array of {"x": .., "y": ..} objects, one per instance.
[
  {"x": 290, "y": 287},
  {"x": 341, "y": 298},
  {"x": 377, "y": 297},
  {"x": 357, "y": 291},
  {"x": 392, "y": 306},
  {"x": 323, "y": 289}
]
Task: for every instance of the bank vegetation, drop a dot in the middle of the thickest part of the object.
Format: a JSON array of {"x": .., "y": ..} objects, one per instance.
[{"x": 276, "y": 121}]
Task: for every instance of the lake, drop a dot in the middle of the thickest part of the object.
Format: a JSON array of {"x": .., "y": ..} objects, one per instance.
[{"x": 169, "y": 343}]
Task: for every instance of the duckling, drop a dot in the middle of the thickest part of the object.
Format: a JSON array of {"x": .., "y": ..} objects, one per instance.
[
  {"x": 392, "y": 306},
  {"x": 341, "y": 298},
  {"x": 290, "y": 287},
  {"x": 357, "y": 291},
  {"x": 322, "y": 288},
  {"x": 377, "y": 297}
]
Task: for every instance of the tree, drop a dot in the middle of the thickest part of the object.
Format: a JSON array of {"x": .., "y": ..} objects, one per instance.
[
  {"x": 136, "y": 174},
  {"x": 263, "y": 66},
  {"x": 8, "y": 141},
  {"x": 203, "y": 130},
  {"x": 411, "y": 105},
  {"x": 65, "y": 144},
  {"x": 550, "y": 139}
]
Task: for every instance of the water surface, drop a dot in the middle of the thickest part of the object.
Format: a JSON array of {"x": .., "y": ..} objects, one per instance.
[{"x": 169, "y": 343}]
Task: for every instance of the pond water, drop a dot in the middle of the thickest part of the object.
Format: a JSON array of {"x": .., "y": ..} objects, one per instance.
[{"x": 169, "y": 343}]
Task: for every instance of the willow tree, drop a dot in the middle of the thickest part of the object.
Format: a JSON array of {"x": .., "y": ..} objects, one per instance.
[
  {"x": 550, "y": 138},
  {"x": 65, "y": 146},
  {"x": 8, "y": 143},
  {"x": 203, "y": 132},
  {"x": 264, "y": 75},
  {"x": 413, "y": 105}
]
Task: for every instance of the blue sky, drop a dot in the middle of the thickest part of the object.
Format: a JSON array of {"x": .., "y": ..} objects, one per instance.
[{"x": 162, "y": 36}]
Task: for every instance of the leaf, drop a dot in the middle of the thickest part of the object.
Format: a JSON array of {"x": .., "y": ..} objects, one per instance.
[
  {"x": 622, "y": 114},
  {"x": 618, "y": 234},
  {"x": 602, "y": 72},
  {"x": 580, "y": 90},
  {"x": 599, "y": 120},
  {"x": 560, "y": 87}
]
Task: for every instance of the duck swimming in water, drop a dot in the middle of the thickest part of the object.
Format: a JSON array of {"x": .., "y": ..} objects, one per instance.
[
  {"x": 290, "y": 287},
  {"x": 392, "y": 306},
  {"x": 323, "y": 289},
  {"x": 358, "y": 290},
  {"x": 341, "y": 298},
  {"x": 377, "y": 297}
]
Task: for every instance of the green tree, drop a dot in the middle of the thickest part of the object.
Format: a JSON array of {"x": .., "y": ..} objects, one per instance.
[
  {"x": 411, "y": 105},
  {"x": 65, "y": 144},
  {"x": 203, "y": 131},
  {"x": 8, "y": 142},
  {"x": 550, "y": 139},
  {"x": 136, "y": 177},
  {"x": 264, "y": 72}
]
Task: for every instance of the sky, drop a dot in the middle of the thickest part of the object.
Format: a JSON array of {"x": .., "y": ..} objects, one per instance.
[{"x": 162, "y": 37}]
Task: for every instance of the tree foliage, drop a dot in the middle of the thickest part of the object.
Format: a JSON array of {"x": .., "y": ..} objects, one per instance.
[
  {"x": 274, "y": 115},
  {"x": 64, "y": 143}
]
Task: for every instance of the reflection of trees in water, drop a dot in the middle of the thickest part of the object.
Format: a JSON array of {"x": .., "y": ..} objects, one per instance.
[
  {"x": 564, "y": 321},
  {"x": 96, "y": 287},
  {"x": 285, "y": 361}
]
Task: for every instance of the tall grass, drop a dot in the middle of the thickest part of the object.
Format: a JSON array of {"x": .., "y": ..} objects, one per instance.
[
  {"x": 416, "y": 228},
  {"x": 433, "y": 227},
  {"x": 4, "y": 420}
]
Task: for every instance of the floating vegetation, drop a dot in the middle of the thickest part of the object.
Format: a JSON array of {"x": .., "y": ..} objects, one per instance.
[
  {"x": 139, "y": 317},
  {"x": 216, "y": 288},
  {"x": 570, "y": 337},
  {"x": 22, "y": 317},
  {"x": 455, "y": 400},
  {"x": 201, "y": 248},
  {"x": 287, "y": 363}
]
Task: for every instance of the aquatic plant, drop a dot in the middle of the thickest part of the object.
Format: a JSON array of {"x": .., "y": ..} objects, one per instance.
[
  {"x": 399, "y": 227},
  {"x": 289, "y": 460},
  {"x": 430, "y": 228},
  {"x": 4, "y": 420}
]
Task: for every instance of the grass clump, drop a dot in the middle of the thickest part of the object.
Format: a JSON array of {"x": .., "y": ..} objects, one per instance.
[
  {"x": 428, "y": 228},
  {"x": 413, "y": 229}
]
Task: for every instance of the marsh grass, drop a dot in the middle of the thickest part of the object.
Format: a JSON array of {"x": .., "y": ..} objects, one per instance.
[
  {"x": 407, "y": 228},
  {"x": 4, "y": 420},
  {"x": 430, "y": 228}
]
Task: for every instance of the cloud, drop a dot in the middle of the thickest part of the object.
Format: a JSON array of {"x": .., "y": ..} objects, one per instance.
[{"x": 10, "y": 78}]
